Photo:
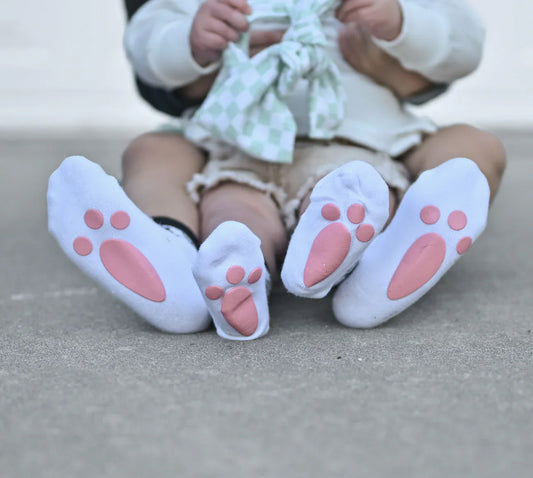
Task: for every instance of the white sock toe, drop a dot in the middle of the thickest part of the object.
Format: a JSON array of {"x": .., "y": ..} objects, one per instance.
[
  {"x": 348, "y": 208},
  {"x": 439, "y": 218},
  {"x": 127, "y": 253},
  {"x": 230, "y": 271}
]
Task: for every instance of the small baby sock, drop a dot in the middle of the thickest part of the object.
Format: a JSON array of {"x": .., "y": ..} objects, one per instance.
[
  {"x": 127, "y": 253},
  {"x": 231, "y": 273},
  {"x": 348, "y": 208},
  {"x": 439, "y": 218}
]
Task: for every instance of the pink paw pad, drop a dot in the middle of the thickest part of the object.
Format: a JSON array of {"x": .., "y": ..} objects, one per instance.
[
  {"x": 238, "y": 306},
  {"x": 121, "y": 259},
  {"x": 426, "y": 255},
  {"x": 332, "y": 244}
]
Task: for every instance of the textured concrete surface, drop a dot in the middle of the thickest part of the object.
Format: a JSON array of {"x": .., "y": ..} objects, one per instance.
[{"x": 87, "y": 389}]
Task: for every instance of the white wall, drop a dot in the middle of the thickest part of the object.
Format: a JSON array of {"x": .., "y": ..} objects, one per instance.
[
  {"x": 62, "y": 67},
  {"x": 500, "y": 92}
]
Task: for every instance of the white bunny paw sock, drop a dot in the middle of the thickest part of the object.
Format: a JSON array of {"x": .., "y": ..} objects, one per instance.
[
  {"x": 230, "y": 271},
  {"x": 127, "y": 253},
  {"x": 439, "y": 218},
  {"x": 348, "y": 208}
]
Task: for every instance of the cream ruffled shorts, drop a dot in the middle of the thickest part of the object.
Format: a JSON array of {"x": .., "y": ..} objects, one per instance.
[{"x": 289, "y": 184}]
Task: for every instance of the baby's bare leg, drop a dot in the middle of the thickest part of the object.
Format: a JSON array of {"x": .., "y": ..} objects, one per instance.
[
  {"x": 156, "y": 168},
  {"x": 481, "y": 147},
  {"x": 242, "y": 230},
  {"x": 255, "y": 209}
]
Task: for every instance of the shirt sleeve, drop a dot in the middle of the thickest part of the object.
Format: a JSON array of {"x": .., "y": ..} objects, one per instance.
[
  {"x": 440, "y": 39},
  {"x": 158, "y": 47}
]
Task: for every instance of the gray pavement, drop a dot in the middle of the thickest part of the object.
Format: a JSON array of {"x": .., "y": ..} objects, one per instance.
[{"x": 89, "y": 390}]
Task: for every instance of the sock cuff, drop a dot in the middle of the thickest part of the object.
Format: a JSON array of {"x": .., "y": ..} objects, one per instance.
[{"x": 168, "y": 221}]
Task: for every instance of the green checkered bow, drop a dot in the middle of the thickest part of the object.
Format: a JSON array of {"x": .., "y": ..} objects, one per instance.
[{"x": 246, "y": 106}]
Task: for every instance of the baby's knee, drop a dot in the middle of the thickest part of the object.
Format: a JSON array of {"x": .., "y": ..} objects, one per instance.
[
  {"x": 496, "y": 153},
  {"x": 138, "y": 147},
  {"x": 149, "y": 146},
  {"x": 490, "y": 149},
  {"x": 139, "y": 150}
]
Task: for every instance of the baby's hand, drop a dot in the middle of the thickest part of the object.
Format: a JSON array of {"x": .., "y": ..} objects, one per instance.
[
  {"x": 261, "y": 39},
  {"x": 361, "y": 52},
  {"x": 367, "y": 58},
  {"x": 381, "y": 18},
  {"x": 217, "y": 23}
]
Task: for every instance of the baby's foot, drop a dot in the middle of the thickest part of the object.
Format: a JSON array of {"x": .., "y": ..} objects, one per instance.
[
  {"x": 127, "y": 253},
  {"x": 440, "y": 217},
  {"x": 348, "y": 209},
  {"x": 230, "y": 272}
]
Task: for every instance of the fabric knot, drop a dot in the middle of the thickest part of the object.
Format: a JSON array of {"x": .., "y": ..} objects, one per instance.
[
  {"x": 246, "y": 106},
  {"x": 305, "y": 28}
]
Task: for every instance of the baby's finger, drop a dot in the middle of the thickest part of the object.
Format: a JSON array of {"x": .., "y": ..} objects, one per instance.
[
  {"x": 345, "y": 40},
  {"x": 241, "y": 5},
  {"x": 263, "y": 39},
  {"x": 215, "y": 41},
  {"x": 231, "y": 16},
  {"x": 350, "y": 32},
  {"x": 218, "y": 27},
  {"x": 347, "y": 15},
  {"x": 348, "y": 10}
]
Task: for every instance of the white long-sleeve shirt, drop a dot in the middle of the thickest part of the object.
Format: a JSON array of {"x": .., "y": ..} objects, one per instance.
[{"x": 440, "y": 39}]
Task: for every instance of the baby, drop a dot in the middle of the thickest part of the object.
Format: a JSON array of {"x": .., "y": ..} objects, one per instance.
[{"x": 350, "y": 164}]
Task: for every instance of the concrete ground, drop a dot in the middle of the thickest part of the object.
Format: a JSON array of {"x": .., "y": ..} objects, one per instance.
[{"x": 89, "y": 390}]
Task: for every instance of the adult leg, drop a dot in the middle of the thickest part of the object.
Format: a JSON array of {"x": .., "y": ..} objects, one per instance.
[
  {"x": 481, "y": 147},
  {"x": 156, "y": 168},
  {"x": 147, "y": 267},
  {"x": 439, "y": 218},
  {"x": 243, "y": 231}
]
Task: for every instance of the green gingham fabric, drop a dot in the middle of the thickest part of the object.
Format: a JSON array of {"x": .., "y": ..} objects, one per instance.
[{"x": 246, "y": 106}]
